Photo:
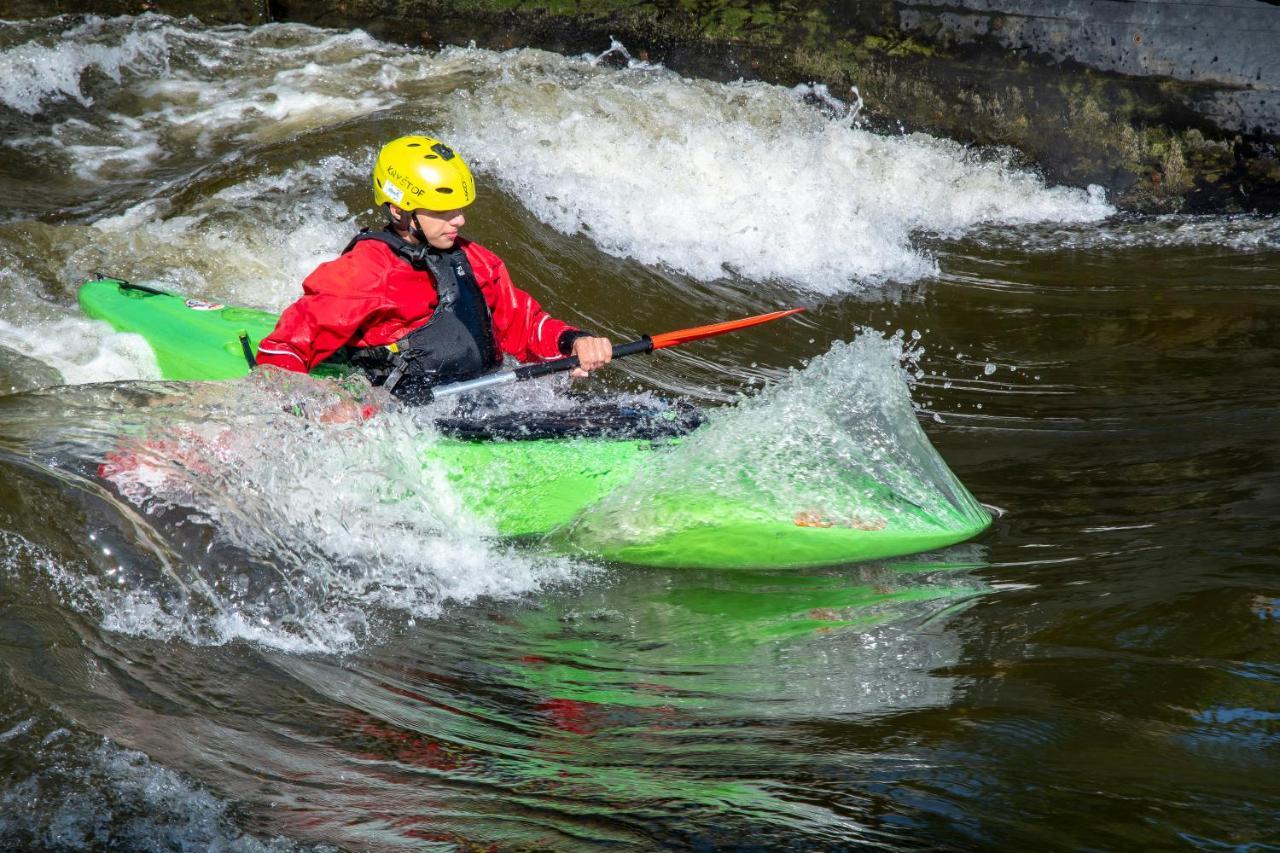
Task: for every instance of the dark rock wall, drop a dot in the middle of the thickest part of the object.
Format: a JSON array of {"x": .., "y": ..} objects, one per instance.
[
  {"x": 1170, "y": 104},
  {"x": 1181, "y": 97},
  {"x": 1227, "y": 50}
]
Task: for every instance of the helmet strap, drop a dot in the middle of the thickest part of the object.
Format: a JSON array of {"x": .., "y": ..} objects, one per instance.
[{"x": 398, "y": 224}]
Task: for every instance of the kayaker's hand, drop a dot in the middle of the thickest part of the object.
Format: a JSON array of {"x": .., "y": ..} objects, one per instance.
[{"x": 592, "y": 353}]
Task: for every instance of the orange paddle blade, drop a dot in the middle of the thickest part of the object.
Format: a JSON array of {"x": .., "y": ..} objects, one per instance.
[{"x": 683, "y": 336}]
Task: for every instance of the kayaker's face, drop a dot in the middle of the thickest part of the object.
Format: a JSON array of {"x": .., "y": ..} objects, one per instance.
[{"x": 440, "y": 227}]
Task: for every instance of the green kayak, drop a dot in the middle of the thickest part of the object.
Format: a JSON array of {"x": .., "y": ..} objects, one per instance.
[{"x": 596, "y": 496}]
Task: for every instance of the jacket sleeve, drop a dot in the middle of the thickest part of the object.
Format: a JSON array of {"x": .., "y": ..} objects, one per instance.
[
  {"x": 523, "y": 329},
  {"x": 321, "y": 322}
]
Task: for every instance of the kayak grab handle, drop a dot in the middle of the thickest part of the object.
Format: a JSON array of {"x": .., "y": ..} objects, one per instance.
[
  {"x": 247, "y": 349},
  {"x": 141, "y": 288}
]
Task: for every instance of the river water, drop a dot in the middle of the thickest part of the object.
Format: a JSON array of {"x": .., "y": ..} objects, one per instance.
[{"x": 274, "y": 657}]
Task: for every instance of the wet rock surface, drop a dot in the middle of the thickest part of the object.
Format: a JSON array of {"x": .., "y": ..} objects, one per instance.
[{"x": 1171, "y": 106}]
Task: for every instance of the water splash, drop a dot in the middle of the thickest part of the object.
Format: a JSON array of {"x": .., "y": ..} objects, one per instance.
[
  {"x": 228, "y": 516},
  {"x": 82, "y": 350},
  {"x": 836, "y": 444},
  {"x": 711, "y": 179},
  {"x": 312, "y": 532}
]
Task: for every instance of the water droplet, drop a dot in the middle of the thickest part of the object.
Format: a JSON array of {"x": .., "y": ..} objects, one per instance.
[{"x": 989, "y": 369}]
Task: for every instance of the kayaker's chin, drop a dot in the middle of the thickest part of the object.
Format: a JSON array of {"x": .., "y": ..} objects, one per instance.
[{"x": 439, "y": 228}]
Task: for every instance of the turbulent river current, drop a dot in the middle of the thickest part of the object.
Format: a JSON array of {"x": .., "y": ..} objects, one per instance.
[{"x": 269, "y": 654}]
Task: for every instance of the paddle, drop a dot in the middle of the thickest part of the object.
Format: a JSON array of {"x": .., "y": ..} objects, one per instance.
[{"x": 648, "y": 343}]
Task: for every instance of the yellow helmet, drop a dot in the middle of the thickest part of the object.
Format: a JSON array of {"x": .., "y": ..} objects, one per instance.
[{"x": 421, "y": 173}]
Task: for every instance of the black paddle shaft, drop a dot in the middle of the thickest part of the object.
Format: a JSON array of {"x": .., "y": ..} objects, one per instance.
[{"x": 532, "y": 371}]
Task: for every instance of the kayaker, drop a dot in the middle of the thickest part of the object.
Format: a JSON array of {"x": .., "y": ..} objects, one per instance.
[{"x": 415, "y": 304}]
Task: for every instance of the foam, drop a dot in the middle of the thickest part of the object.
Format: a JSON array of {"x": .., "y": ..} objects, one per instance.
[
  {"x": 32, "y": 74},
  {"x": 256, "y": 257},
  {"x": 746, "y": 178},
  {"x": 82, "y": 350},
  {"x": 322, "y": 535},
  {"x": 1244, "y": 233},
  {"x": 708, "y": 179}
]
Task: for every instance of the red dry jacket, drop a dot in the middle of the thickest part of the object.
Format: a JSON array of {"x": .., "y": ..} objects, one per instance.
[{"x": 372, "y": 297}]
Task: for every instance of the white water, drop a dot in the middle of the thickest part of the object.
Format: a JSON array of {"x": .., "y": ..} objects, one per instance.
[
  {"x": 250, "y": 522},
  {"x": 1246, "y": 233},
  {"x": 234, "y": 189},
  {"x": 83, "y": 350},
  {"x": 706, "y": 179},
  {"x": 323, "y": 532},
  {"x": 242, "y": 520},
  {"x": 710, "y": 179},
  {"x": 37, "y": 72},
  {"x": 235, "y": 245}
]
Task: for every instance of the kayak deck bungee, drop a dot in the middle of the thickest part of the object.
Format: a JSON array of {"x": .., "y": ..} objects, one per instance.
[{"x": 570, "y": 492}]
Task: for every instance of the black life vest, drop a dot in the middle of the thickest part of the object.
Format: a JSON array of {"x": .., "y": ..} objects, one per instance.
[{"x": 456, "y": 343}]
